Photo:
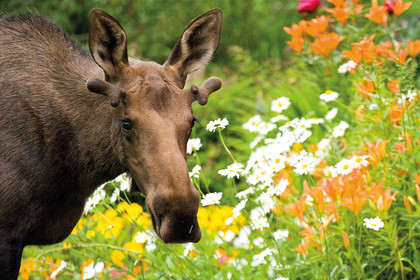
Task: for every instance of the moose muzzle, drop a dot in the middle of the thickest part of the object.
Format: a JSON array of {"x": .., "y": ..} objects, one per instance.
[{"x": 174, "y": 216}]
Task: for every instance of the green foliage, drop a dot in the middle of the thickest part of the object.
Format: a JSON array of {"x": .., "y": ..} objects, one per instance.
[{"x": 154, "y": 26}]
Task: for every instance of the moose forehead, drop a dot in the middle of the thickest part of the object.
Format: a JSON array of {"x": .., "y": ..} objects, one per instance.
[{"x": 156, "y": 87}]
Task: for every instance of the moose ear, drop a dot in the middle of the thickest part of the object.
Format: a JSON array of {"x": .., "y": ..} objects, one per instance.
[
  {"x": 108, "y": 44},
  {"x": 197, "y": 44}
]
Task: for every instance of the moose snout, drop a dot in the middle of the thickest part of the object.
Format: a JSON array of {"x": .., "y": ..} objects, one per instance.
[
  {"x": 175, "y": 216},
  {"x": 180, "y": 229}
]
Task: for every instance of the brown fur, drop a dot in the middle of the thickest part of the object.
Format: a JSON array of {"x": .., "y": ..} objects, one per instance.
[{"x": 59, "y": 140}]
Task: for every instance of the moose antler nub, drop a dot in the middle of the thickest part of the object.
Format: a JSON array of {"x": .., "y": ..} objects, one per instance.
[{"x": 201, "y": 94}]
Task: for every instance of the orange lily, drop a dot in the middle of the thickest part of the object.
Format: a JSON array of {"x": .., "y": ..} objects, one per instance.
[
  {"x": 346, "y": 240},
  {"x": 302, "y": 248},
  {"x": 360, "y": 111},
  {"x": 400, "y": 148},
  {"x": 385, "y": 200},
  {"x": 326, "y": 43},
  {"x": 378, "y": 14},
  {"x": 366, "y": 88},
  {"x": 395, "y": 113},
  {"x": 407, "y": 204},
  {"x": 338, "y": 3},
  {"x": 394, "y": 86},
  {"x": 398, "y": 7},
  {"x": 418, "y": 193},
  {"x": 354, "y": 203},
  {"x": 407, "y": 138},
  {"x": 417, "y": 178},
  {"x": 340, "y": 12},
  {"x": 297, "y": 209},
  {"x": 413, "y": 48},
  {"x": 377, "y": 151},
  {"x": 317, "y": 25},
  {"x": 295, "y": 30},
  {"x": 365, "y": 49},
  {"x": 296, "y": 43}
]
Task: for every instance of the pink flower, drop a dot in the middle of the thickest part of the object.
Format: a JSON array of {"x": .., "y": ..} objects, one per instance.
[
  {"x": 308, "y": 6},
  {"x": 389, "y": 5}
]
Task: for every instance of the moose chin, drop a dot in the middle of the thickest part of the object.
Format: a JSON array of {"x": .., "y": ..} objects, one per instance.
[{"x": 70, "y": 121}]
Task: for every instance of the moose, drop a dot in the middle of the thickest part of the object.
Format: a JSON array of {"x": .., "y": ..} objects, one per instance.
[{"x": 70, "y": 121}]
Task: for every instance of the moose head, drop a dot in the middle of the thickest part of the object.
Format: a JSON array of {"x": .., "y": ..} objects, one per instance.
[{"x": 154, "y": 117}]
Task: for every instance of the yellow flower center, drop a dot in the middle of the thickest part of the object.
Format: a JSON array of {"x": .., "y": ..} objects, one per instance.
[
  {"x": 277, "y": 160},
  {"x": 358, "y": 159},
  {"x": 346, "y": 167},
  {"x": 304, "y": 166},
  {"x": 280, "y": 105},
  {"x": 328, "y": 92}
]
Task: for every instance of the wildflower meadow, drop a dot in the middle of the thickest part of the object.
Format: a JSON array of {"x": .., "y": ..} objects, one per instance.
[{"x": 312, "y": 173}]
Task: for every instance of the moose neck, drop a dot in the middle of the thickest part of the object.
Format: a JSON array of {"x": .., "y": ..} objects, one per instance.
[
  {"x": 96, "y": 152},
  {"x": 102, "y": 156}
]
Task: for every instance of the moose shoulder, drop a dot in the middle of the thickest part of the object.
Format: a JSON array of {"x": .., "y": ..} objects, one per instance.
[{"x": 59, "y": 140}]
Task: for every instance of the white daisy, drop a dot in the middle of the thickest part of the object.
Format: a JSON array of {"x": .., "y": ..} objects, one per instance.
[
  {"x": 244, "y": 194},
  {"x": 141, "y": 237},
  {"x": 339, "y": 130},
  {"x": 328, "y": 96},
  {"x": 280, "y": 104},
  {"x": 358, "y": 161},
  {"x": 305, "y": 166},
  {"x": 253, "y": 124},
  {"x": 259, "y": 223},
  {"x": 188, "y": 248},
  {"x": 266, "y": 201},
  {"x": 279, "y": 118},
  {"x": 232, "y": 170},
  {"x": 281, "y": 234},
  {"x": 211, "y": 198},
  {"x": 330, "y": 171},
  {"x": 323, "y": 147},
  {"x": 374, "y": 223},
  {"x": 195, "y": 172},
  {"x": 347, "y": 67},
  {"x": 193, "y": 144},
  {"x": 213, "y": 125},
  {"x": 239, "y": 207},
  {"x": 279, "y": 188},
  {"x": 259, "y": 259},
  {"x": 331, "y": 114},
  {"x": 345, "y": 167},
  {"x": 63, "y": 265},
  {"x": 90, "y": 270}
]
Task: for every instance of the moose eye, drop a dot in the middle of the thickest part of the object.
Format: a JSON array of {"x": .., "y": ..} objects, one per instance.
[
  {"x": 126, "y": 125},
  {"x": 195, "y": 120}
]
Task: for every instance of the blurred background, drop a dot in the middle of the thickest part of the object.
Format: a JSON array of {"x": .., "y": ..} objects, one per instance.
[
  {"x": 253, "y": 59},
  {"x": 153, "y": 26}
]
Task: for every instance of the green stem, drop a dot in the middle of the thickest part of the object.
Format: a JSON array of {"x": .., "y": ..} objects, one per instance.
[
  {"x": 202, "y": 176},
  {"x": 224, "y": 145}
]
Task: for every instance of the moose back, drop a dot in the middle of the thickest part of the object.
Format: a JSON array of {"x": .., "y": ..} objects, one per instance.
[{"x": 70, "y": 121}]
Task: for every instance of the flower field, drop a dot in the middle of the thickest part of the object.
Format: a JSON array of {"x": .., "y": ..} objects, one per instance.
[{"x": 320, "y": 177}]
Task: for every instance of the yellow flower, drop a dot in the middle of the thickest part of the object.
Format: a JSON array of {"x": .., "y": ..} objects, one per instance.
[
  {"x": 134, "y": 246},
  {"x": 79, "y": 226},
  {"x": 116, "y": 257},
  {"x": 110, "y": 213},
  {"x": 144, "y": 220}
]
